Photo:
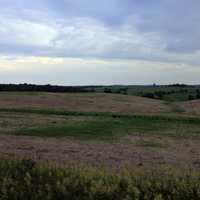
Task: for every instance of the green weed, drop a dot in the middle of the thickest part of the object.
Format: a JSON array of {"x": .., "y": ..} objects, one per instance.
[{"x": 24, "y": 179}]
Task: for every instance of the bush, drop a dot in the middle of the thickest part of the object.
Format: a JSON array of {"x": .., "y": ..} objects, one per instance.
[
  {"x": 191, "y": 97},
  {"x": 27, "y": 180},
  {"x": 149, "y": 95},
  {"x": 107, "y": 90}
]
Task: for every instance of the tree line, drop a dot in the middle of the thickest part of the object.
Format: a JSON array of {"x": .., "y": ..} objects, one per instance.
[{"x": 45, "y": 88}]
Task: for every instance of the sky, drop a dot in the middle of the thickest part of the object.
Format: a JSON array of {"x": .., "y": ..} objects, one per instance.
[{"x": 91, "y": 42}]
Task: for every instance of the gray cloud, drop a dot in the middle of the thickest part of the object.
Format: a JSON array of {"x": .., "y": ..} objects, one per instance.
[{"x": 163, "y": 30}]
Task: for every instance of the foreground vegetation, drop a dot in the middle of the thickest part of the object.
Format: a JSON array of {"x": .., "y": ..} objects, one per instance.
[{"x": 24, "y": 179}]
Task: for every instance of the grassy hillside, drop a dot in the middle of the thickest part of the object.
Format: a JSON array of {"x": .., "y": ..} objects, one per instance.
[
  {"x": 90, "y": 129},
  {"x": 85, "y": 102},
  {"x": 92, "y": 125},
  {"x": 164, "y": 92},
  {"x": 175, "y": 92},
  {"x": 98, "y": 102}
]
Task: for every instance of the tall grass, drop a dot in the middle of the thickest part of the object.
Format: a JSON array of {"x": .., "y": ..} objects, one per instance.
[{"x": 26, "y": 180}]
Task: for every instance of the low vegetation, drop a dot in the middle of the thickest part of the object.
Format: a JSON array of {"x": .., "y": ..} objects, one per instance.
[
  {"x": 175, "y": 92},
  {"x": 24, "y": 179},
  {"x": 91, "y": 125},
  {"x": 109, "y": 128},
  {"x": 44, "y": 88},
  {"x": 68, "y": 115}
]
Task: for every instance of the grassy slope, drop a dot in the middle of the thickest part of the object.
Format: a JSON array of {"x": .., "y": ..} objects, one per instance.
[
  {"x": 141, "y": 90},
  {"x": 92, "y": 102},
  {"x": 106, "y": 125},
  {"x": 101, "y": 124},
  {"x": 109, "y": 128},
  {"x": 85, "y": 102}
]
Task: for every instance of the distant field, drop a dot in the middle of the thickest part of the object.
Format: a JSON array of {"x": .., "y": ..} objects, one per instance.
[
  {"x": 96, "y": 127},
  {"x": 170, "y": 93},
  {"x": 89, "y": 102},
  {"x": 99, "y": 128},
  {"x": 107, "y": 140},
  {"x": 164, "y": 92},
  {"x": 97, "y": 102}
]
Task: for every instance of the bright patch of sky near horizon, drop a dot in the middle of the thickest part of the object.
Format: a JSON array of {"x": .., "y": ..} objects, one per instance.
[{"x": 81, "y": 42}]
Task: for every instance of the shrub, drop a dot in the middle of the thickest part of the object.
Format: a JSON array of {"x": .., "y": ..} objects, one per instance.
[
  {"x": 191, "y": 97},
  {"x": 27, "y": 180},
  {"x": 107, "y": 90},
  {"x": 198, "y": 96},
  {"x": 149, "y": 95}
]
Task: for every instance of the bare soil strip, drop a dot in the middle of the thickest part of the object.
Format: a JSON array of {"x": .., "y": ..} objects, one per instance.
[
  {"x": 130, "y": 151},
  {"x": 88, "y": 102},
  {"x": 191, "y": 107}
]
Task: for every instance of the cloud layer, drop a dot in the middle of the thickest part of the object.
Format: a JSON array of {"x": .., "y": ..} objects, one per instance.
[
  {"x": 82, "y": 71},
  {"x": 154, "y": 31}
]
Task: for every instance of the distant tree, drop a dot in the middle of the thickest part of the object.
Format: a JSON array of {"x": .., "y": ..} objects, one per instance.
[
  {"x": 124, "y": 92},
  {"x": 118, "y": 91},
  {"x": 183, "y": 91},
  {"x": 178, "y": 85},
  {"x": 107, "y": 90},
  {"x": 198, "y": 96},
  {"x": 149, "y": 95},
  {"x": 191, "y": 97},
  {"x": 45, "y": 88},
  {"x": 160, "y": 94}
]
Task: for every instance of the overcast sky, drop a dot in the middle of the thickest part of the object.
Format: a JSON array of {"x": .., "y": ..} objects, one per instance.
[{"x": 77, "y": 42}]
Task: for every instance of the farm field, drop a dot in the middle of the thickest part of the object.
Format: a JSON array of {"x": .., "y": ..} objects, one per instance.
[
  {"x": 97, "y": 102},
  {"x": 171, "y": 93},
  {"x": 86, "y": 102},
  {"x": 95, "y": 129}
]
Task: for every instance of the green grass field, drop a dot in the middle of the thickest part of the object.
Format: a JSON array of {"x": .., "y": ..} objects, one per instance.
[
  {"x": 106, "y": 126},
  {"x": 109, "y": 128}
]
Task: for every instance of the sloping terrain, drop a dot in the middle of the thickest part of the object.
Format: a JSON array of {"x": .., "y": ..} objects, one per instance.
[
  {"x": 90, "y": 139},
  {"x": 135, "y": 151},
  {"x": 95, "y": 102},
  {"x": 191, "y": 107}
]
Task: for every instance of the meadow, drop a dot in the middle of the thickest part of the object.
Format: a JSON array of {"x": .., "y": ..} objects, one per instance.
[
  {"x": 98, "y": 146},
  {"x": 92, "y": 125}
]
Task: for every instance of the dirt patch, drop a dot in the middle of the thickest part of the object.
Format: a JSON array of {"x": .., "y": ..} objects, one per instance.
[
  {"x": 191, "y": 107},
  {"x": 126, "y": 152},
  {"x": 14, "y": 121},
  {"x": 96, "y": 102}
]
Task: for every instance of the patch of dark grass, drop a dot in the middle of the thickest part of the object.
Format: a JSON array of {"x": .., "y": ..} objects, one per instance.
[
  {"x": 171, "y": 118},
  {"x": 88, "y": 129},
  {"x": 110, "y": 128},
  {"x": 109, "y": 125},
  {"x": 150, "y": 144}
]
